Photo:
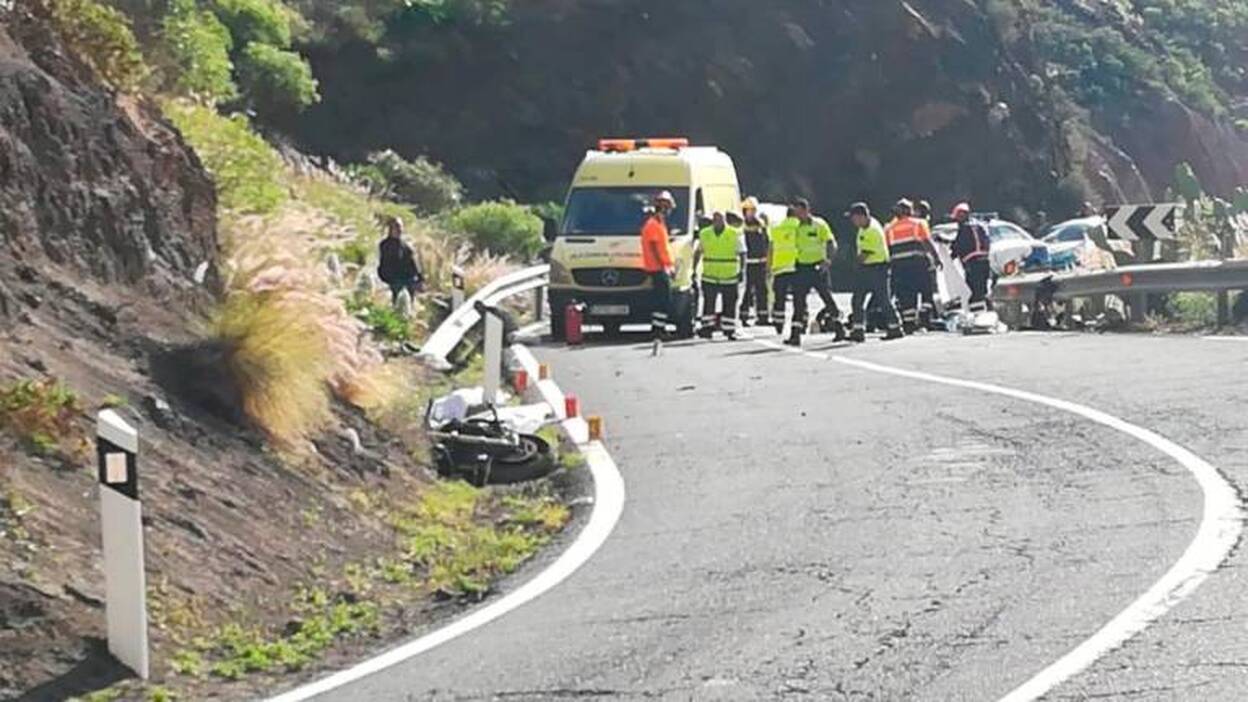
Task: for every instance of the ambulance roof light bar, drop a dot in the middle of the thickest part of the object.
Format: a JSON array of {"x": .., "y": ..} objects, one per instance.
[{"x": 626, "y": 145}]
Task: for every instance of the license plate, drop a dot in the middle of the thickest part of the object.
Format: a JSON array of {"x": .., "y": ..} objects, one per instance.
[{"x": 609, "y": 310}]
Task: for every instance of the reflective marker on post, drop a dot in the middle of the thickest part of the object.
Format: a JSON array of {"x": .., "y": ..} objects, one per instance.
[
  {"x": 571, "y": 407},
  {"x": 543, "y": 371},
  {"x": 520, "y": 380},
  {"x": 121, "y": 524},
  {"x": 1127, "y": 279},
  {"x": 595, "y": 428},
  {"x": 457, "y": 287}
]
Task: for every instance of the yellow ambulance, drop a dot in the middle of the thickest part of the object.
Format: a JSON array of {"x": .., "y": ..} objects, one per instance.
[{"x": 596, "y": 250}]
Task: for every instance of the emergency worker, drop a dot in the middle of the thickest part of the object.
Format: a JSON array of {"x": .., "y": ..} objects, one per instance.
[
  {"x": 816, "y": 247},
  {"x": 910, "y": 251},
  {"x": 656, "y": 261},
  {"x": 782, "y": 262},
  {"x": 754, "y": 303},
  {"x": 928, "y": 308},
  {"x": 721, "y": 249},
  {"x": 971, "y": 247},
  {"x": 873, "y": 278}
]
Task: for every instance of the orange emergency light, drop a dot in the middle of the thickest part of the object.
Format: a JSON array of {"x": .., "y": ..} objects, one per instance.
[{"x": 626, "y": 145}]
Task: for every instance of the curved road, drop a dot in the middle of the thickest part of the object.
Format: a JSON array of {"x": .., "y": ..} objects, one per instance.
[{"x": 799, "y": 528}]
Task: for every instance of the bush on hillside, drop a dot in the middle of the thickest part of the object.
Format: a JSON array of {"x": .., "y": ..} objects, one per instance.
[
  {"x": 501, "y": 228},
  {"x": 263, "y": 21},
  {"x": 101, "y": 37},
  {"x": 419, "y": 183},
  {"x": 198, "y": 46},
  {"x": 246, "y": 170},
  {"x": 276, "y": 81}
]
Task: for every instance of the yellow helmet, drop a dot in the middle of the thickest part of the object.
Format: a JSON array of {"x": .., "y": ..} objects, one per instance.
[{"x": 750, "y": 203}]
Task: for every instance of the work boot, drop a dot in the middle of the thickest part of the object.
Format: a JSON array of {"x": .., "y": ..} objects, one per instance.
[
  {"x": 706, "y": 332},
  {"x": 795, "y": 337},
  {"x": 838, "y": 329},
  {"x": 894, "y": 333},
  {"x": 858, "y": 336}
]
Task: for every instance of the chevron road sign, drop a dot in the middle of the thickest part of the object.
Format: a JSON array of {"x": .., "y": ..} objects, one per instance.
[{"x": 1143, "y": 222}]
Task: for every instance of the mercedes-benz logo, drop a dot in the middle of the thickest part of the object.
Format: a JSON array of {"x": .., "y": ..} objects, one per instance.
[{"x": 610, "y": 277}]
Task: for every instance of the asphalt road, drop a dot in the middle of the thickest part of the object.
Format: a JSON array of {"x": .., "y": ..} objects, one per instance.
[{"x": 799, "y": 528}]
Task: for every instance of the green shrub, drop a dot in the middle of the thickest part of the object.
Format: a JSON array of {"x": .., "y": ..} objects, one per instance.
[
  {"x": 263, "y": 21},
  {"x": 246, "y": 170},
  {"x": 502, "y": 228},
  {"x": 102, "y": 37},
  {"x": 275, "y": 80},
  {"x": 1194, "y": 309},
  {"x": 42, "y": 414},
  {"x": 419, "y": 183},
  {"x": 199, "y": 47}
]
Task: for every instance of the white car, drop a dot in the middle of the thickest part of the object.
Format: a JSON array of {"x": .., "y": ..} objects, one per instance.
[{"x": 1073, "y": 244}]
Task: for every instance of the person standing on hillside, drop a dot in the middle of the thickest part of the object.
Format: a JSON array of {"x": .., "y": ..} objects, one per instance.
[
  {"x": 757, "y": 244},
  {"x": 656, "y": 261},
  {"x": 910, "y": 249},
  {"x": 397, "y": 266},
  {"x": 782, "y": 262},
  {"x": 971, "y": 247},
  {"x": 721, "y": 250},
  {"x": 816, "y": 247},
  {"x": 873, "y": 276}
]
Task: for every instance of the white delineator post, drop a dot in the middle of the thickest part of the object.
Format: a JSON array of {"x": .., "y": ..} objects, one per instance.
[
  {"x": 493, "y": 356},
  {"x": 457, "y": 287},
  {"x": 121, "y": 524}
]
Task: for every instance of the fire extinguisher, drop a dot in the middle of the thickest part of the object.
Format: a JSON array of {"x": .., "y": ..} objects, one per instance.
[{"x": 573, "y": 319}]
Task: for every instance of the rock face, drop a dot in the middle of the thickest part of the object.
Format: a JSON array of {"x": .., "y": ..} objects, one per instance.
[
  {"x": 841, "y": 100},
  {"x": 96, "y": 186}
]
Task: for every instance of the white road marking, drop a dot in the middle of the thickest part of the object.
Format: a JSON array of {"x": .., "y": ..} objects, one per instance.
[
  {"x": 608, "y": 506},
  {"x": 1219, "y": 532},
  {"x": 1225, "y": 338}
]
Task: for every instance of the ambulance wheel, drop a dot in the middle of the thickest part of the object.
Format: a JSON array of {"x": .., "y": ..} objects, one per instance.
[{"x": 686, "y": 315}]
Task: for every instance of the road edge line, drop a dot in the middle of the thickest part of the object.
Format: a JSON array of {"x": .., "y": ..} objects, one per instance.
[
  {"x": 609, "y": 495},
  {"x": 1220, "y": 530}
]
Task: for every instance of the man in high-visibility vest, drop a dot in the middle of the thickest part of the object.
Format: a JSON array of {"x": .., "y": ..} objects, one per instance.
[
  {"x": 910, "y": 250},
  {"x": 721, "y": 250},
  {"x": 928, "y": 309},
  {"x": 971, "y": 247},
  {"x": 873, "y": 276},
  {"x": 656, "y": 261},
  {"x": 782, "y": 262},
  {"x": 754, "y": 302},
  {"x": 816, "y": 247}
]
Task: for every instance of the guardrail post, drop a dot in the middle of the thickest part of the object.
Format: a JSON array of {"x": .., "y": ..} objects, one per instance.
[
  {"x": 539, "y": 303},
  {"x": 121, "y": 525},
  {"x": 1226, "y": 251},
  {"x": 493, "y": 356},
  {"x": 457, "y": 288}
]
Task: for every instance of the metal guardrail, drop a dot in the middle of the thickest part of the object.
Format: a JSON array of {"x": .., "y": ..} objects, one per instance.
[
  {"x": 1194, "y": 276},
  {"x": 447, "y": 336}
]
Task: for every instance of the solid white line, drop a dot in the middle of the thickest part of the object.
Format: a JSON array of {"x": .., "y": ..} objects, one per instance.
[
  {"x": 1225, "y": 338},
  {"x": 608, "y": 506},
  {"x": 1220, "y": 529}
]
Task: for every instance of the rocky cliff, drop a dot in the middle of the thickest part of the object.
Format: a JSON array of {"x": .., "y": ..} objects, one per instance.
[
  {"x": 91, "y": 184},
  {"x": 839, "y": 99}
]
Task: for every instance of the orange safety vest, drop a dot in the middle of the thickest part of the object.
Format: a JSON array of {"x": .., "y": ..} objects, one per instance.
[
  {"x": 654, "y": 235},
  {"x": 906, "y": 236}
]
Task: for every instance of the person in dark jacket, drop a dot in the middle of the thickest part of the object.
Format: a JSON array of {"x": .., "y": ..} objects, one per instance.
[
  {"x": 398, "y": 267},
  {"x": 972, "y": 247}
]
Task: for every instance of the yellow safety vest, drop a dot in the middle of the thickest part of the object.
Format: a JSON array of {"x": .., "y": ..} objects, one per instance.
[
  {"x": 720, "y": 252},
  {"x": 812, "y": 241},
  {"x": 784, "y": 246}
]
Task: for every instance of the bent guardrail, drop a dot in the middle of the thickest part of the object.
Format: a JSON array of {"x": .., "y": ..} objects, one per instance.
[{"x": 447, "y": 336}]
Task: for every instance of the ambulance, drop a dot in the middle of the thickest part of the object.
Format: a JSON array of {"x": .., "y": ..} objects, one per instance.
[{"x": 595, "y": 259}]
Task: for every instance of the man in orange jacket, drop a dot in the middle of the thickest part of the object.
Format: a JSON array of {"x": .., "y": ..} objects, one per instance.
[
  {"x": 910, "y": 253},
  {"x": 656, "y": 261}
]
